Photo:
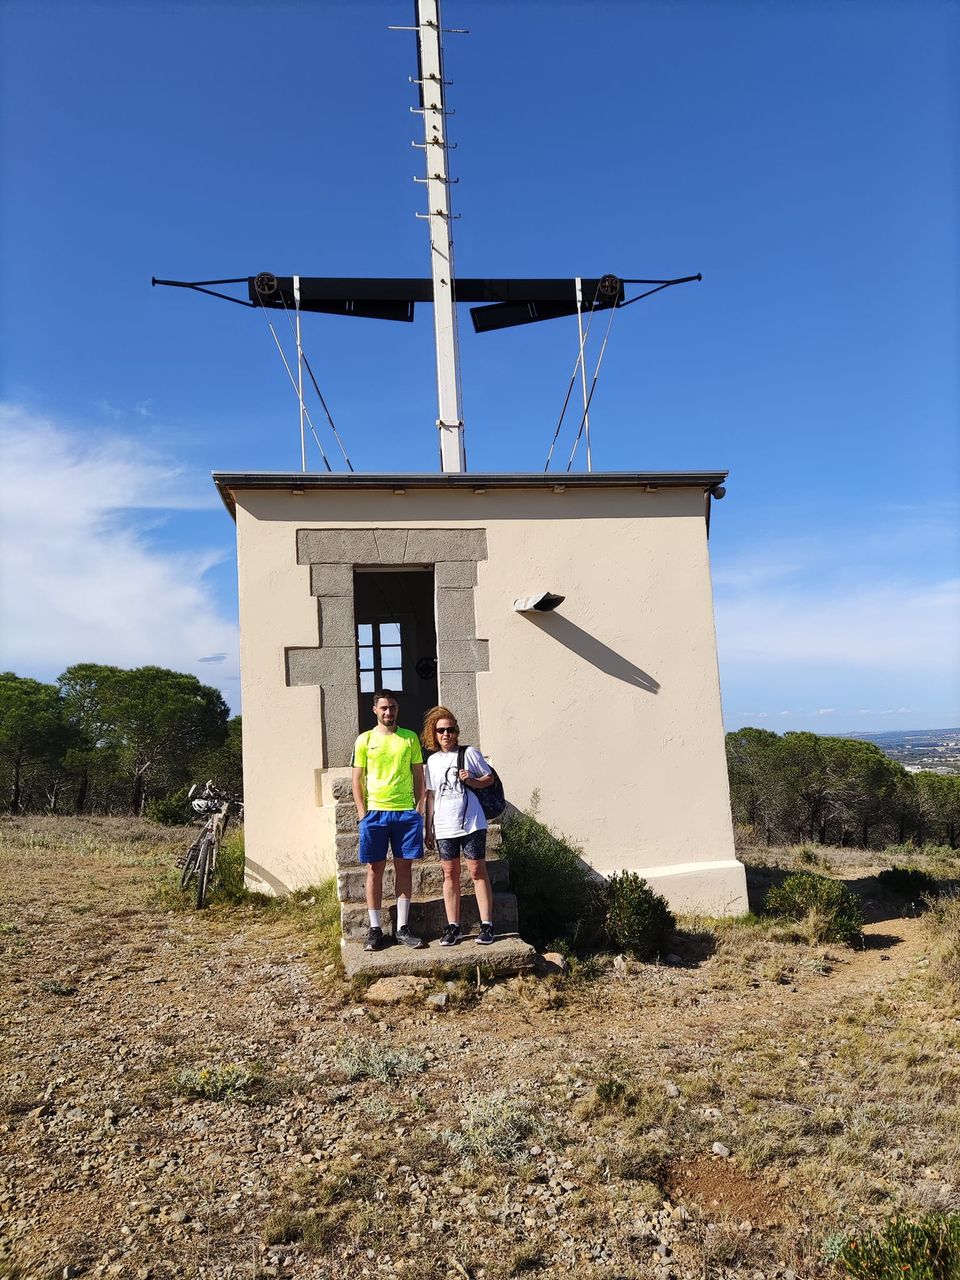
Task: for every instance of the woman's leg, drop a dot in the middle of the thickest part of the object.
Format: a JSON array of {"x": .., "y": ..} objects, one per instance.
[
  {"x": 451, "y": 888},
  {"x": 481, "y": 887}
]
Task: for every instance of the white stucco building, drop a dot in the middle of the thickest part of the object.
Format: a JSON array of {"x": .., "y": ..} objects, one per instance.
[{"x": 608, "y": 707}]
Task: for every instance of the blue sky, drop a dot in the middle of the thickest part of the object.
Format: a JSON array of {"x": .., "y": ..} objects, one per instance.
[{"x": 803, "y": 156}]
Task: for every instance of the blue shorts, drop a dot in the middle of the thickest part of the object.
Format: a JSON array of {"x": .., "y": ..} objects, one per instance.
[
  {"x": 473, "y": 845},
  {"x": 401, "y": 829}
]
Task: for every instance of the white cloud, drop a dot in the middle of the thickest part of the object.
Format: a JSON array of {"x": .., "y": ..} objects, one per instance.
[
  {"x": 882, "y": 626},
  {"x": 826, "y": 711},
  {"x": 82, "y": 580}
]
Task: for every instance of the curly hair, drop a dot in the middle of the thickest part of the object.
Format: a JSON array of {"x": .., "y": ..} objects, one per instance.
[{"x": 428, "y": 735}]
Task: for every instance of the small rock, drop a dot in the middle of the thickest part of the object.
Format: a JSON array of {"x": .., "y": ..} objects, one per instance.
[
  {"x": 720, "y": 1150},
  {"x": 438, "y": 1000},
  {"x": 395, "y": 990},
  {"x": 620, "y": 964},
  {"x": 673, "y": 958},
  {"x": 554, "y": 962}
]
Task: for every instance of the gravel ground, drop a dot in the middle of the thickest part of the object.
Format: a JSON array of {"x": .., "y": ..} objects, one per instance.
[{"x": 729, "y": 1114}]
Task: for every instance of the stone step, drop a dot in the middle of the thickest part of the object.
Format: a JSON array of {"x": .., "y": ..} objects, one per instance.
[
  {"x": 428, "y": 917},
  {"x": 507, "y": 955},
  {"x": 427, "y": 879},
  {"x": 347, "y": 837}
]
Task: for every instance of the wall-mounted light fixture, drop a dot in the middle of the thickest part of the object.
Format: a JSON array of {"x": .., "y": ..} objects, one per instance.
[{"x": 544, "y": 602}]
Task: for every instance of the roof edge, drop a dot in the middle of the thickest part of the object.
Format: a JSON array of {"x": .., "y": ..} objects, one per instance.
[{"x": 229, "y": 482}]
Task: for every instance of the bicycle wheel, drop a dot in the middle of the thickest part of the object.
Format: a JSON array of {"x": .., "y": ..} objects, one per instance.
[
  {"x": 204, "y": 870},
  {"x": 190, "y": 864}
]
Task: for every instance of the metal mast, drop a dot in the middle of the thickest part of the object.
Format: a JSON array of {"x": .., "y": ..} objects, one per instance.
[{"x": 450, "y": 421}]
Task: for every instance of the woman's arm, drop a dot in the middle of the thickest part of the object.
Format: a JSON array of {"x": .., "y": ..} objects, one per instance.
[
  {"x": 428, "y": 837},
  {"x": 476, "y": 784}
]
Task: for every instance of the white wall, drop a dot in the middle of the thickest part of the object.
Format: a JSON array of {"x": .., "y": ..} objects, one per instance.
[{"x": 609, "y": 707}]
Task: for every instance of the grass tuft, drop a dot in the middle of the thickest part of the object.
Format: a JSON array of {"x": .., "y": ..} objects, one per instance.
[
  {"x": 375, "y": 1062},
  {"x": 495, "y": 1126},
  {"x": 230, "y": 1082}
]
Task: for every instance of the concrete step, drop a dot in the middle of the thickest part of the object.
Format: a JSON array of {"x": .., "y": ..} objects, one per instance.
[
  {"x": 507, "y": 955},
  {"x": 427, "y": 879},
  {"x": 428, "y": 917}
]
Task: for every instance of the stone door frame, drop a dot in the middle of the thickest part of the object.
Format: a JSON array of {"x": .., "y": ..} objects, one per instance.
[{"x": 332, "y": 555}]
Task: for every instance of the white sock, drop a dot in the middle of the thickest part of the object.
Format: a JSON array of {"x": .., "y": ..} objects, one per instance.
[
  {"x": 403, "y": 912},
  {"x": 489, "y": 922},
  {"x": 374, "y": 918}
]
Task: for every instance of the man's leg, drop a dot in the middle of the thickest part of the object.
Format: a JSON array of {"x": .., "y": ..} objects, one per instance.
[
  {"x": 373, "y": 852},
  {"x": 375, "y": 886},
  {"x": 406, "y": 842}
]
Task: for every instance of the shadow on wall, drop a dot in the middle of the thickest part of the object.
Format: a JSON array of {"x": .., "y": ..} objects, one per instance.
[{"x": 594, "y": 651}]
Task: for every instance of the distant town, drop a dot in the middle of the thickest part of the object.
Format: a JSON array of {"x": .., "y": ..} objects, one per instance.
[{"x": 936, "y": 750}]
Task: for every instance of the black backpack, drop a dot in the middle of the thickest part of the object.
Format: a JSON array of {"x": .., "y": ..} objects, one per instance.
[{"x": 492, "y": 800}]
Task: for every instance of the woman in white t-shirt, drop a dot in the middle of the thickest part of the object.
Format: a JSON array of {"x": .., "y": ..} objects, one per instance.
[{"x": 455, "y": 822}]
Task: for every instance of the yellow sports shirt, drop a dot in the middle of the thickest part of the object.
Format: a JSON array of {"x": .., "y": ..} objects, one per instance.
[{"x": 386, "y": 759}]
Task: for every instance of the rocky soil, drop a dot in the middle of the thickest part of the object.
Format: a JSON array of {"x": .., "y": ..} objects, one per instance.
[{"x": 731, "y": 1113}]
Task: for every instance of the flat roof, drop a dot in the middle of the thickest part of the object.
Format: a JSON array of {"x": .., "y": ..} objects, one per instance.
[{"x": 229, "y": 482}]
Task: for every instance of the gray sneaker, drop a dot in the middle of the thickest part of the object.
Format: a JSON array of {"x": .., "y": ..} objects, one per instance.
[
  {"x": 485, "y": 936},
  {"x": 407, "y": 938},
  {"x": 450, "y": 936},
  {"x": 374, "y": 940}
]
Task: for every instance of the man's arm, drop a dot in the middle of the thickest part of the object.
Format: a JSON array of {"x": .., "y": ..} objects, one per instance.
[
  {"x": 417, "y": 770},
  {"x": 359, "y": 795}
]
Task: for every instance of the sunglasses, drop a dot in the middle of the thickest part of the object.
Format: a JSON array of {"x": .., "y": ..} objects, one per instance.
[{"x": 446, "y": 729}]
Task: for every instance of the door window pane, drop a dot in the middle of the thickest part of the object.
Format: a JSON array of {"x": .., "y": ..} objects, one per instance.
[
  {"x": 389, "y": 632},
  {"x": 366, "y": 659},
  {"x": 390, "y": 656},
  {"x": 367, "y": 682},
  {"x": 364, "y": 633},
  {"x": 393, "y": 680}
]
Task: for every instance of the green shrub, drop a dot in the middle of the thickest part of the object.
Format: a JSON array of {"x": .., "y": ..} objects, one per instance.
[
  {"x": 836, "y": 909},
  {"x": 928, "y": 849},
  {"x": 229, "y": 884},
  {"x": 638, "y": 921},
  {"x": 170, "y": 811},
  {"x": 557, "y": 899},
  {"x": 925, "y": 1250},
  {"x": 908, "y": 882}
]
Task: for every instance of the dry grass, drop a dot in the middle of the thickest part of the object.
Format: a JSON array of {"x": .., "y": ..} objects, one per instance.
[
  {"x": 833, "y": 1076},
  {"x": 943, "y": 924}
]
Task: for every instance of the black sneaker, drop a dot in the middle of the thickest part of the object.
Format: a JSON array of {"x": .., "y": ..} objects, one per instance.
[
  {"x": 407, "y": 938},
  {"x": 451, "y": 936},
  {"x": 485, "y": 935},
  {"x": 374, "y": 940}
]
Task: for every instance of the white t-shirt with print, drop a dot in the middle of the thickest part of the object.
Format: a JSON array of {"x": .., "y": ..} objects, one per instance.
[{"x": 450, "y": 817}]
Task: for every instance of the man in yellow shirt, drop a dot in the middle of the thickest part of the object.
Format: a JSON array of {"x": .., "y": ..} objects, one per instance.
[{"x": 388, "y": 793}]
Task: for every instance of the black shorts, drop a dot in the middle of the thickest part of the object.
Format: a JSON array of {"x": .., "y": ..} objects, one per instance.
[{"x": 473, "y": 845}]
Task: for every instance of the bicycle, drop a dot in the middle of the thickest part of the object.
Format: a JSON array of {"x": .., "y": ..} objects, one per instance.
[{"x": 201, "y": 858}]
